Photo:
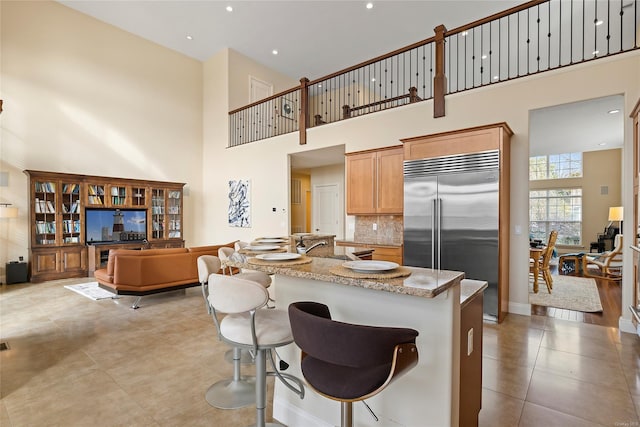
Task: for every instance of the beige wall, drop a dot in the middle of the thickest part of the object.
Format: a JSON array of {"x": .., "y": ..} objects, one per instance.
[
  {"x": 600, "y": 168},
  {"x": 241, "y": 67},
  {"x": 84, "y": 97}
]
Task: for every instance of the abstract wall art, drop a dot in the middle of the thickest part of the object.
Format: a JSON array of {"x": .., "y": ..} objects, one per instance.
[{"x": 240, "y": 203}]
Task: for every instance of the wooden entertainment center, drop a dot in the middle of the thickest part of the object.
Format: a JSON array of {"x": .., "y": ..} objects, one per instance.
[{"x": 58, "y": 203}]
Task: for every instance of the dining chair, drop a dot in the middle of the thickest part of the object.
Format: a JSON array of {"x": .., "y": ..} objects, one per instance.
[{"x": 545, "y": 260}]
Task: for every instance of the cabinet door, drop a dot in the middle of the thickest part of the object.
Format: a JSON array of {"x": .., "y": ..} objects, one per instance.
[
  {"x": 174, "y": 214},
  {"x": 361, "y": 193},
  {"x": 390, "y": 182},
  {"x": 385, "y": 253},
  {"x": 73, "y": 259},
  {"x": 95, "y": 195},
  {"x": 158, "y": 204},
  {"x": 45, "y": 207},
  {"x": 70, "y": 204},
  {"x": 45, "y": 262}
]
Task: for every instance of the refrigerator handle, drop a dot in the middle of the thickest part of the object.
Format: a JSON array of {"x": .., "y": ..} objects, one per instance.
[
  {"x": 439, "y": 224},
  {"x": 434, "y": 244}
]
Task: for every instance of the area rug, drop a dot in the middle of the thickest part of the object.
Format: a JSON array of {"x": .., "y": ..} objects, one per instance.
[
  {"x": 91, "y": 290},
  {"x": 569, "y": 292}
]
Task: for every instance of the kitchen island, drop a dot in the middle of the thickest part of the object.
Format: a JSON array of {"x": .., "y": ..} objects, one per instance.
[{"x": 427, "y": 300}]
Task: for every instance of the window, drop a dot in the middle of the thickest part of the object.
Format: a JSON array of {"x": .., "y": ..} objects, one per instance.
[
  {"x": 555, "y": 166},
  {"x": 558, "y": 209}
]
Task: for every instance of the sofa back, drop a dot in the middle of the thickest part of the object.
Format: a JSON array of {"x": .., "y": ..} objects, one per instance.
[
  {"x": 157, "y": 269},
  {"x": 132, "y": 252}
]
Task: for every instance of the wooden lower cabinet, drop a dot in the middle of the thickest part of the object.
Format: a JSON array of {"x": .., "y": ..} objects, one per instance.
[
  {"x": 471, "y": 360},
  {"x": 387, "y": 253},
  {"x": 58, "y": 263},
  {"x": 380, "y": 252}
]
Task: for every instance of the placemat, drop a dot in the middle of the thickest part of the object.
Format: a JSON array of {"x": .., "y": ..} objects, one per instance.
[
  {"x": 254, "y": 253},
  {"x": 288, "y": 263},
  {"x": 345, "y": 272}
]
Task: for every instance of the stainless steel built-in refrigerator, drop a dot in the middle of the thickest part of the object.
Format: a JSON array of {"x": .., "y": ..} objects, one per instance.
[{"x": 451, "y": 217}]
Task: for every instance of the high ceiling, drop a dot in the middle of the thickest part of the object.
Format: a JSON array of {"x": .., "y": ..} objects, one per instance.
[
  {"x": 317, "y": 38},
  {"x": 313, "y": 38}
]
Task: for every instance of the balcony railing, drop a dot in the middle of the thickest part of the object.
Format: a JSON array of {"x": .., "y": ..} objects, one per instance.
[{"x": 537, "y": 36}]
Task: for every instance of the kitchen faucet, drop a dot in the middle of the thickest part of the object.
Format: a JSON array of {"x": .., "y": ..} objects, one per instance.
[{"x": 304, "y": 250}]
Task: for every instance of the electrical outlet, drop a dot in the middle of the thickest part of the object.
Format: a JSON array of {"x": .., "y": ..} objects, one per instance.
[{"x": 375, "y": 226}]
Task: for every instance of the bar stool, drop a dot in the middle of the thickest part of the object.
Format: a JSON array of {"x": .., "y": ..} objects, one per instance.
[
  {"x": 347, "y": 362},
  {"x": 248, "y": 328},
  {"x": 238, "y": 391},
  {"x": 225, "y": 253}
]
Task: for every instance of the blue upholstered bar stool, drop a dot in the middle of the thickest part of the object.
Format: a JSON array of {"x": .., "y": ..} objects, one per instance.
[
  {"x": 247, "y": 327},
  {"x": 347, "y": 362}
]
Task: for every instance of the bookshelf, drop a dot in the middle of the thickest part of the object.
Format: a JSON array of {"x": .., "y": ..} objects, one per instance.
[{"x": 58, "y": 205}]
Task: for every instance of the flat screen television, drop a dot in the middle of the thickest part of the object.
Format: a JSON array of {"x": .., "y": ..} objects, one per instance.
[{"x": 115, "y": 225}]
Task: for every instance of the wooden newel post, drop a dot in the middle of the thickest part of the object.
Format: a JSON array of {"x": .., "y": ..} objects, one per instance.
[
  {"x": 439, "y": 80},
  {"x": 304, "y": 110}
]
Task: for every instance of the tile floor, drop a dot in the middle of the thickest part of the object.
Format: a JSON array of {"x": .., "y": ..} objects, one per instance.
[{"x": 77, "y": 362}]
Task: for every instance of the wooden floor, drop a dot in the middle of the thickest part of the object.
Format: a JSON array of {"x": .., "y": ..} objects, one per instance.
[{"x": 610, "y": 297}]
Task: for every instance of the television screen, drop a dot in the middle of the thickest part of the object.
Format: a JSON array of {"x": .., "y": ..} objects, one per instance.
[{"x": 115, "y": 225}]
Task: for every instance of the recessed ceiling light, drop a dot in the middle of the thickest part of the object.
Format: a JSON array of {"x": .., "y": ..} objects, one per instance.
[
  {"x": 496, "y": 77},
  {"x": 465, "y": 33},
  {"x": 595, "y": 52},
  {"x": 274, "y": 51},
  {"x": 613, "y": 111},
  {"x": 602, "y": 144},
  {"x": 484, "y": 56},
  {"x": 373, "y": 79},
  {"x": 369, "y": 5},
  {"x": 319, "y": 84},
  {"x": 229, "y": 9},
  {"x": 189, "y": 37},
  {"x": 598, "y": 21}
]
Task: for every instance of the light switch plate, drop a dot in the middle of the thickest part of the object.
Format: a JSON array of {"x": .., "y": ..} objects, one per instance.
[{"x": 470, "y": 342}]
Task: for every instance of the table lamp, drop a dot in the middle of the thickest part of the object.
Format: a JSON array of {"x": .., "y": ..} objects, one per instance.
[
  {"x": 615, "y": 214},
  {"x": 6, "y": 211}
]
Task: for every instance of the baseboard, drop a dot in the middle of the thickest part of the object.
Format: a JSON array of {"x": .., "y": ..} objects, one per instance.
[
  {"x": 626, "y": 325},
  {"x": 292, "y": 416},
  {"x": 519, "y": 308}
]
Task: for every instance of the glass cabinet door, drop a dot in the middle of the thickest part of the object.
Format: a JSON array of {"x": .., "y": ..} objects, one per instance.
[
  {"x": 174, "y": 209},
  {"x": 95, "y": 195},
  {"x": 70, "y": 204},
  {"x": 118, "y": 195},
  {"x": 157, "y": 213},
  {"x": 44, "y": 202},
  {"x": 138, "y": 196}
]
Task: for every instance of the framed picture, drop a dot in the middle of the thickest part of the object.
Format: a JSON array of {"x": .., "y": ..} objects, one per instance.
[
  {"x": 288, "y": 108},
  {"x": 240, "y": 203}
]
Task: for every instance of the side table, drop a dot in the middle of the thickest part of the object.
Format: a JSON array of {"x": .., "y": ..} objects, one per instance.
[
  {"x": 16, "y": 272},
  {"x": 572, "y": 264}
]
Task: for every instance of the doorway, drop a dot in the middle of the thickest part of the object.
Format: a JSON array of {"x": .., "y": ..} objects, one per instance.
[
  {"x": 574, "y": 178},
  {"x": 317, "y": 191}
]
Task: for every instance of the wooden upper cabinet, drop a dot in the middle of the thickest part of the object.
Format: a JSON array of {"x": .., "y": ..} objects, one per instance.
[{"x": 375, "y": 182}]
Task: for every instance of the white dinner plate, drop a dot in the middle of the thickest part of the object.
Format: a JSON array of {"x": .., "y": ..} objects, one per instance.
[
  {"x": 270, "y": 240},
  {"x": 261, "y": 247},
  {"x": 370, "y": 266},
  {"x": 278, "y": 256}
]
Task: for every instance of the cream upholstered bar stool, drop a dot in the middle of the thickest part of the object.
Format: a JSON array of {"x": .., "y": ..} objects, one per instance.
[
  {"x": 348, "y": 362},
  {"x": 259, "y": 331},
  {"x": 238, "y": 391},
  {"x": 225, "y": 253}
]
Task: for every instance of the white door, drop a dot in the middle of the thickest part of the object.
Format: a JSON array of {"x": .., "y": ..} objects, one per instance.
[
  {"x": 326, "y": 209},
  {"x": 259, "y": 89}
]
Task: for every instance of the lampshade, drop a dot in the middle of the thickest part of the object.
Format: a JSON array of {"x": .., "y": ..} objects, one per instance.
[
  {"x": 615, "y": 213},
  {"x": 6, "y": 211}
]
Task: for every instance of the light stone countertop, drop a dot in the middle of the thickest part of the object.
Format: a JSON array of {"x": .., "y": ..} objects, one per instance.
[{"x": 423, "y": 282}]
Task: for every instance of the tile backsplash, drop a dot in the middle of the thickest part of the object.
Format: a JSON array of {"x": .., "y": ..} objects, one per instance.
[{"x": 389, "y": 229}]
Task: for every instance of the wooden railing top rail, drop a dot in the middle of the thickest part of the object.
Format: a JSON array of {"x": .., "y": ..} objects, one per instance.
[
  {"x": 263, "y": 100},
  {"x": 374, "y": 60},
  {"x": 495, "y": 16}
]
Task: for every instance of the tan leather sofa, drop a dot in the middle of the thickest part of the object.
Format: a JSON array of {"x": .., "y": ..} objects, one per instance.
[{"x": 144, "y": 272}]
